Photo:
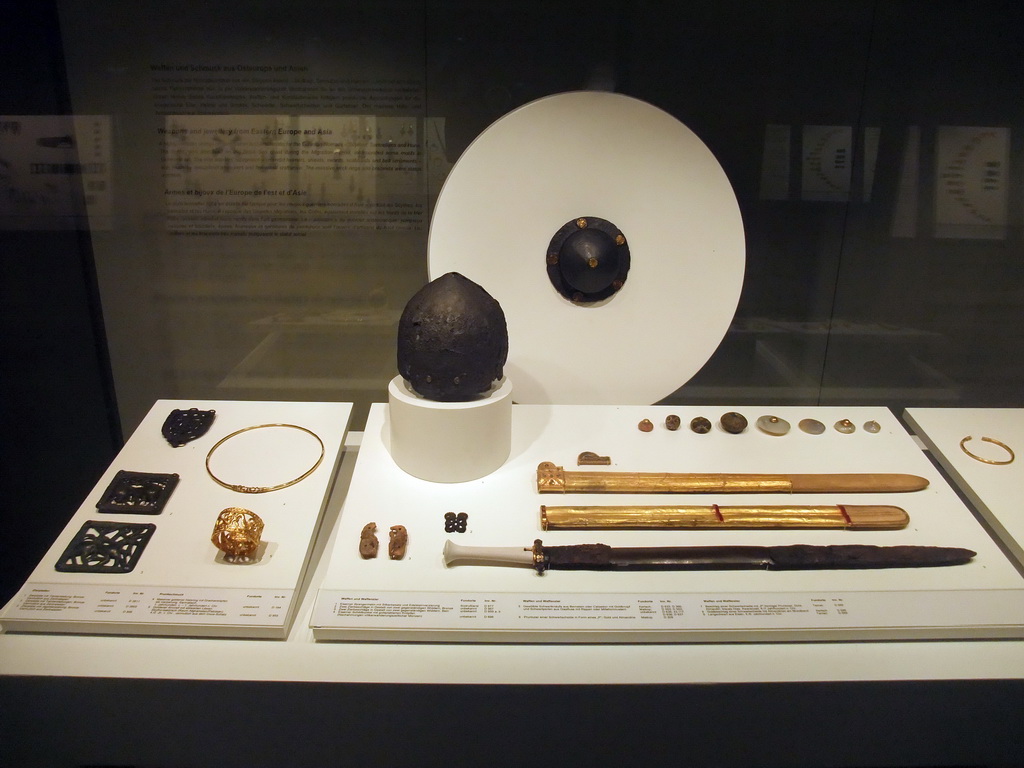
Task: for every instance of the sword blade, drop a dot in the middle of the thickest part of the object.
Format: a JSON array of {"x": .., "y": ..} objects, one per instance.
[{"x": 779, "y": 558}]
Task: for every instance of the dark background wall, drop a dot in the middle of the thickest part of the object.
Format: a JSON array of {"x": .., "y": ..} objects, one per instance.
[{"x": 58, "y": 421}]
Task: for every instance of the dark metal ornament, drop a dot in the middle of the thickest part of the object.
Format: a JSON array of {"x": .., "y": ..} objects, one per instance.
[
  {"x": 101, "y": 547},
  {"x": 588, "y": 260},
  {"x": 137, "y": 493},
  {"x": 452, "y": 340},
  {"x": 181, "y": 427},
  {"x": 455, "y": 523}
]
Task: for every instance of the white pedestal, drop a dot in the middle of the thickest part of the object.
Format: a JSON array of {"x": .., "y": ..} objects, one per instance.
[{"x": 449, "y": 442}]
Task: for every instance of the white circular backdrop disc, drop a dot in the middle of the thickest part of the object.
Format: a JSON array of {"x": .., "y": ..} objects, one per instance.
[{"x": 598, "y": 154}]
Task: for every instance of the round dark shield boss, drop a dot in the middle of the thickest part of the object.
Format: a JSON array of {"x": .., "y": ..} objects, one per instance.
[
  {"x": 588, "y": 260},
  {"x": 452, "y": 340}
]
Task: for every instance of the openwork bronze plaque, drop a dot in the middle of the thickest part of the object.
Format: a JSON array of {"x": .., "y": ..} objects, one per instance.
[
  {"x": 183, "y": 426},
  {"x": 102, "y": 547},
  {"x": 137, "y": 493}
]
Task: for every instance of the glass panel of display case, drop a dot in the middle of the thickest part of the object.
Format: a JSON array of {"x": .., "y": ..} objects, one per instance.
[{"x": 274, "y": 172}]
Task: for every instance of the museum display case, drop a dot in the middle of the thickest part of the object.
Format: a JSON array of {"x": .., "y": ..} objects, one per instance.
[{"x": 389, "y": 374}]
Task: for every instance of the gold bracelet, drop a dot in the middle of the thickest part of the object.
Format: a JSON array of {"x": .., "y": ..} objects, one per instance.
[
  {"x": 987, "y": 440},
  {"x": 257, "y": 488}
]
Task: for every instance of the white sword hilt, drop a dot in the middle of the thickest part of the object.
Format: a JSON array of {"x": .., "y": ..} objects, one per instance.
[{"x": 457, "y": 553}]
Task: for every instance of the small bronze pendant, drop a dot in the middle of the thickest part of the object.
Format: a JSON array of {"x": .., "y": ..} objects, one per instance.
[{"x": 182, "y": 427}]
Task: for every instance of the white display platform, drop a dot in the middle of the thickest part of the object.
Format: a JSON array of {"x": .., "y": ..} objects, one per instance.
[
  {"x": 302, "y": 659},
  {"x": 418, "y": 598},
  {"x": 181, "y": 584},
  {"x": 993, "y": 489}
]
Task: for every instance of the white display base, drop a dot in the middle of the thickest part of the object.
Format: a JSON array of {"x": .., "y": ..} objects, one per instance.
[
  {"x": 418, "y": 598},
  {"x": 449, "y": 442},
  {"x": 994, "y": 490},
  {"x": 181, "y": 584}
]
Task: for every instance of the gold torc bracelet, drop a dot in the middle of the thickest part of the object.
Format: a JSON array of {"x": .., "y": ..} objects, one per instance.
[
  {"x": 1004, "y": 446},
  {"x": 260, "y": 488}
]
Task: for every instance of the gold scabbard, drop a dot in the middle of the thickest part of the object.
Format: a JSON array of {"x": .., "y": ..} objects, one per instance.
[
  {"x": 847, "y": 516},
  {"x": 555, "y": 479}
]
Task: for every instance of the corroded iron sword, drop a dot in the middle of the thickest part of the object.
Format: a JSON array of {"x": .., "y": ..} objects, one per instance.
[
  {"x": 601, "y": 557},
  {"x": 555, "y": 479}
]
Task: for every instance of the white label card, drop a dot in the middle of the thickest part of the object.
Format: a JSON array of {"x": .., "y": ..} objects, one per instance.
[
  {"x": 163, "y": 605},
  {"x": 442, "y": 611}
]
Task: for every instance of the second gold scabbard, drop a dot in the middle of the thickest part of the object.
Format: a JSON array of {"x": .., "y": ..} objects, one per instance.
[{"x": 848, "y": 516}]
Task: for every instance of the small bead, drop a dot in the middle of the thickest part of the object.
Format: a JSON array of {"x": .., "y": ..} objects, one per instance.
[
  {"x": 733, "y": 422},
  {"x": 672, "y": 422},
  {"x": 811, "y": 426},
  {"x": 872, "y": 426},
  {"x": 845, "y": 426},
  {"x": 700, "y": 425},
  {"x": 773, "y": 425},
  {"x": 645, "y": 425}
]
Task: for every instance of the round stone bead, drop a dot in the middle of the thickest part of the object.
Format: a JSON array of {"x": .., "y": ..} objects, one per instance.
[
  {"x": 700, "y": 425},
  {"x": 733, "y": 422},
  {"x": 811, "y": 426}
]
